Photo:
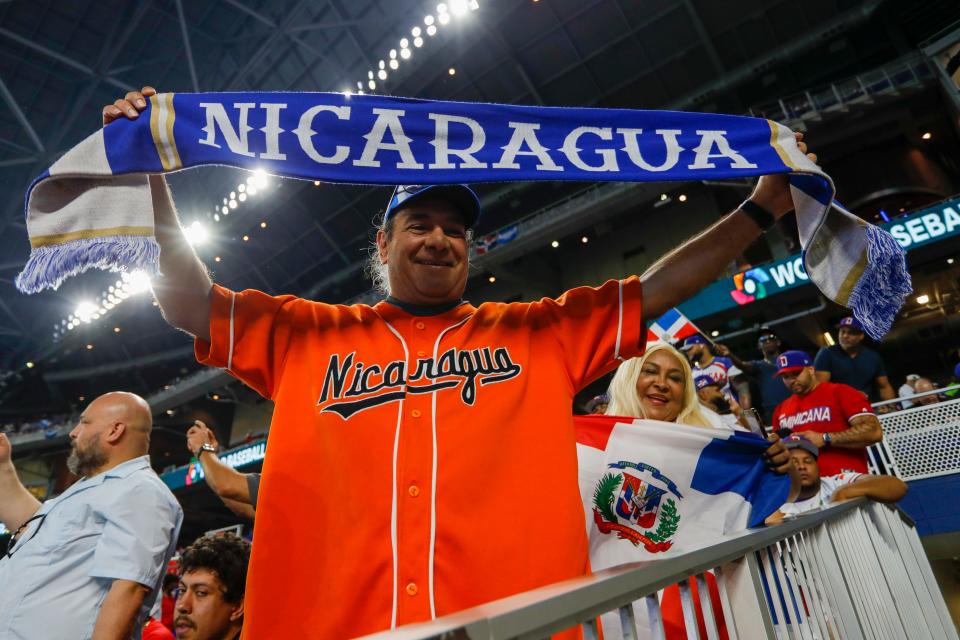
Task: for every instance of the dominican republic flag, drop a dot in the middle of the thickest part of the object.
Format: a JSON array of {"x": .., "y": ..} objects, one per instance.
[
  {"x": 655, "y": 489},
  {"x": 670, "y": 327}
]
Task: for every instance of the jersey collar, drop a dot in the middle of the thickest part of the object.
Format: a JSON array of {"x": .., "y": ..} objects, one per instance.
[{"x": 424, "y": 310}]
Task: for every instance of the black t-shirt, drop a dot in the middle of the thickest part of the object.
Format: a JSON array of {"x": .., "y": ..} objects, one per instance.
[{"x": 860, "y": 372}]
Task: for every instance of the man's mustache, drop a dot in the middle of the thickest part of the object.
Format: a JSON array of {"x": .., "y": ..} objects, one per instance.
[{"x": 185, "y": 620}]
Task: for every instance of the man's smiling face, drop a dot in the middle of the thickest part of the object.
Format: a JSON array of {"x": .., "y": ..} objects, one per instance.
[{"x": 426, "y": 253}]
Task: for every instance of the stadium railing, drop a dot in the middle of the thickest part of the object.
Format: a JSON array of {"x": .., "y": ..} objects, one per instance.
[
  {"x": 922, "y": 441},
  {"x": 853, "y": 570}
]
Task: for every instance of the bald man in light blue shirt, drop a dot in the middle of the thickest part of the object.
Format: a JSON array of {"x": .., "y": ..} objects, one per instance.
[{"x": 88, "y": 563}]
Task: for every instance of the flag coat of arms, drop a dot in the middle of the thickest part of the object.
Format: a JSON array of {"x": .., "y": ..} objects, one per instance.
[{"x": 655, "y": 489}]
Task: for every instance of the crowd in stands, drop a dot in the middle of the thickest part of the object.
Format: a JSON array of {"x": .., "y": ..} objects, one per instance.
[{"x": 50, "y": 425}]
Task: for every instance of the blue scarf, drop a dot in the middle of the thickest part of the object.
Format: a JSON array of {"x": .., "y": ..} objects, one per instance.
[{"x": 92, "y": 208}]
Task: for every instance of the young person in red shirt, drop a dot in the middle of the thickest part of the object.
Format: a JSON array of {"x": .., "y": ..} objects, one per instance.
[{"x": 835, "y": 417}]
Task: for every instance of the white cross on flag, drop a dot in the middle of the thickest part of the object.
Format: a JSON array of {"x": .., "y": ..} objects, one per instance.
[{"x": 670, "y": 327}]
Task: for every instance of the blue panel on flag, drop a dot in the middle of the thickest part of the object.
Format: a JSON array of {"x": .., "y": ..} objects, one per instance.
[{"x": 737, "y": 465}]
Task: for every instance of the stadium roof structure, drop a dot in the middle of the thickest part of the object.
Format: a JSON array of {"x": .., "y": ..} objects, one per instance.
[{"x": 60, "y": 62}]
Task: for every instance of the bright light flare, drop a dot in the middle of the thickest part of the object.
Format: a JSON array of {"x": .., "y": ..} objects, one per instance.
[
  {"x": 135, "y": 281},
  {"x": 196, "y": 233},
  {"x": 84, "y": 311}
]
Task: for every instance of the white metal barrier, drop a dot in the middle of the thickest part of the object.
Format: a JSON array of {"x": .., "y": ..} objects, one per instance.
[
  {"x": 920, "y": 442},
  {"x": 852, "y": 571}
]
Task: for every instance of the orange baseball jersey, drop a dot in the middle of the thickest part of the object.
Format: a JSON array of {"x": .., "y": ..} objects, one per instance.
[{"x": 417, "y": 465}]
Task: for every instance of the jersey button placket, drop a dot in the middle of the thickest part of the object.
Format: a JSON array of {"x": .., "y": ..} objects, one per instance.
[{"x": 412, "y": 589}]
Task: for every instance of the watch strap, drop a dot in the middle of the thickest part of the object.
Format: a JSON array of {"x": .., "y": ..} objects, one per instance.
[{"x": 760, "y": 216}]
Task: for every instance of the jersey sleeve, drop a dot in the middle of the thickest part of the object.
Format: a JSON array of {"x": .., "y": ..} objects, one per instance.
[
  {"x": 250, "y": 335},
  {"x": 596, "y": 328},
  {"x": 777, "y": 412},
  {"x": 852, "y": 402}
]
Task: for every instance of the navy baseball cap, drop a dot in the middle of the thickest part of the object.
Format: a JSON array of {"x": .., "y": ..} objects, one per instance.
[
  {"x": 702, "y": 381},
  {"x": 799, "y": 442},
  {"x": 692, "y": 340},
  {"x": 791, "y": 361},
  {"x": 851, "y": 323},
  {"x": 460, "y": 195}
]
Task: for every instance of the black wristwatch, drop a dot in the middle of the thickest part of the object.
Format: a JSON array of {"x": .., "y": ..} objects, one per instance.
[
  {"x": 760, "y": 216},
  {"x": 826, "y": 439},
  {"x": 206, "y": 447}
]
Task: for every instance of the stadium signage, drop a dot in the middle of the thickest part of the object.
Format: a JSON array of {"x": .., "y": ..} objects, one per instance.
[
  {"x": 921, "y": 228},
  {"x": 189, "y": 474},
  {"x": 585, "y": 148}
]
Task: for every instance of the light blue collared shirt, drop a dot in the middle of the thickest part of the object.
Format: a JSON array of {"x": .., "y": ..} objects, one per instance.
[{"x": 121, "y": 524}]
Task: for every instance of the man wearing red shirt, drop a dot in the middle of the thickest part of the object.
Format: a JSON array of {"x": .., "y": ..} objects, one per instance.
[{"x": 835, "y": 417}]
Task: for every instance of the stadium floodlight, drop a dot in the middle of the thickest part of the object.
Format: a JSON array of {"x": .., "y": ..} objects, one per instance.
[
  {"x": 415, "y": 32},
  {"x": 372, "y": 85},
  {"x": 225, "y": 210},
  {"x": 431, "y": 30},
  {"x": 136, "y": 281},
  {"x": 260, "y": 178},
  {"x": 428, "y": 21},
  {"x": 382, "y": 64},
  {"x": 370, "y": 75},
  {"x": 474, "y": 5},
  {"x": 233, "y": 204},
  {"x": 242, "y": 197},
  {"x": 405, "y": 53},
  {"x": 393, "y": 52},
  {"x": 458, "y": 7},
  {"x": 382, "y": 74},
  {"x": 441, "y": 8},
  {"x": 443, "y": 18},
  {"x": 85, "y": 311},
  {"x": 242, "y": 187},
  {"x": 394, "y": 64},
  {"x": 196, "y": 233}
]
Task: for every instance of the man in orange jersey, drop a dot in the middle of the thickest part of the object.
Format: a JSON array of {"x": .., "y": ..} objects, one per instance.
[{"x": 388, "y": 416}]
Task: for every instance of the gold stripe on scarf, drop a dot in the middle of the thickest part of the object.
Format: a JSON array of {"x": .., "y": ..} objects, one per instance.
[
  {"x": 155, "y": 131},
  {"x": 171, "y": 142},
  {"x": 774, "y": 142},
  {"x": 60, "y": 238}
]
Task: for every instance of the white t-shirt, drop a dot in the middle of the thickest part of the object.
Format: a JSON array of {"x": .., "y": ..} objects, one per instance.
[
  {"x": 828, "y": 485},
  {"x": 905, "y": 391},
  {"x": 727, "y": 421}
]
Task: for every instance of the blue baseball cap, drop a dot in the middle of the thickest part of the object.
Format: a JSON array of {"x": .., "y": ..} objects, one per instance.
[
  {"x": 791, "y": 361},
  {"x": 703, "y": 380},
  {"x": 799, "y": 442},
  {"x": 851, "y": 323},
  {"x": 460, "y": 195},
  {"x": 692, "y": 340}
]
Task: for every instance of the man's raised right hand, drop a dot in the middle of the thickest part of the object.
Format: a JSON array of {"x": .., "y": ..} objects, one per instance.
[{"x": 128, "y": 106}]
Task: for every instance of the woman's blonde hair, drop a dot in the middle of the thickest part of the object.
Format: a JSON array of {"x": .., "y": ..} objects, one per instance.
[{"x": 623, "y": 389}]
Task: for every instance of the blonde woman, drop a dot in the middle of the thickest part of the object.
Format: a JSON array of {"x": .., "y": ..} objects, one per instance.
[{"x": 659, "y": 386}]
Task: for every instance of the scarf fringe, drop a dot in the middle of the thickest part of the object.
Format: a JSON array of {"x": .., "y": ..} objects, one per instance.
[
  {"x": 880, "y": 291},
  {"x": 49, "y": 266}
]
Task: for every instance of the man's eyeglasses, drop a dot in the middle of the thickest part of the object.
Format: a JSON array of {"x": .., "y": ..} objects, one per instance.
[
  {"x": 14, "y": 544},
  {"x": 767, "y": 338}
]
